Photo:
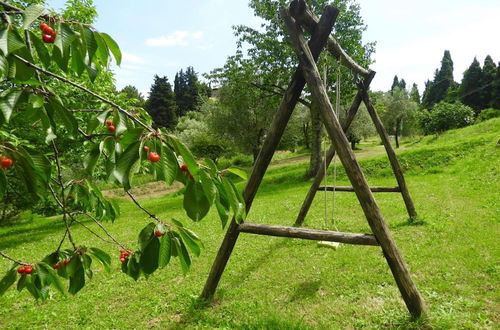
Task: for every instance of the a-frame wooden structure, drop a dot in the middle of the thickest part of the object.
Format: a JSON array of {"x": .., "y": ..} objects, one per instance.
[{"x": 307, "y": 71}]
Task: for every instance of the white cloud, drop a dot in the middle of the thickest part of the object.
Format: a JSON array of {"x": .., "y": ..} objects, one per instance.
[
  {"x": 176, "y": 38},
  {"x": 131, "y": 58}
]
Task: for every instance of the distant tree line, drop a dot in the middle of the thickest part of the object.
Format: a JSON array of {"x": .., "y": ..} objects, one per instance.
[{"x": 166, "y": 104}]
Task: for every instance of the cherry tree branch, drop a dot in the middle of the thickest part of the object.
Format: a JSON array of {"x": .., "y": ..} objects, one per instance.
[
  {"x": 12, "y": 259},
  {"x": 103, "y": 228},
  {"x": 151, "y": 215}
]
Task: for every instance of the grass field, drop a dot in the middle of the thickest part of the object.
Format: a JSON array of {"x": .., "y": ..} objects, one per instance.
[{"x": 453, "y": 253}]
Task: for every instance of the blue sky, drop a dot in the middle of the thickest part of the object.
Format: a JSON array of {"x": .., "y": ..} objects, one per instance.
[{"x": 161, "y": 37}]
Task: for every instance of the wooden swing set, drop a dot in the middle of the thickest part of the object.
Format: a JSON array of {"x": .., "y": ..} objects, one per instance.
[{"x": 296, "y": 17}]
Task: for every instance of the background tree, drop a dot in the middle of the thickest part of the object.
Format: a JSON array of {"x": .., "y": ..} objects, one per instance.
[
  {"x": 272, "y": 58},
  {"x": 188, "y": 91},
  {"x": 134, "y": 95},
  {"x": 161, "y": 103},
  {"x": 469, "y": 92},
  {"x": 495, "y": 99},
  {"x": 437, "y": 90},
  {"x": 488, "y": 74},
  {"x": 444, "y": 116},
  {"x": 399, "y": 114},
  {"x": 414, "y": 94}
]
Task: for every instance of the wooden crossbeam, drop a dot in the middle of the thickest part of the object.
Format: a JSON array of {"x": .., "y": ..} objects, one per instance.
[
  {"x": 310, "y": 234},
  {"x": 351, "y": 189}
]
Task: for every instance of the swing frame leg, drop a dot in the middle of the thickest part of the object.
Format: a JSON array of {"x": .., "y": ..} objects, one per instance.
[{"x": 280, "y": 120}]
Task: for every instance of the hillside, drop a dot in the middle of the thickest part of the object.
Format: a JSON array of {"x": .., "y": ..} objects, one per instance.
[{"x": 452, "y": 252}]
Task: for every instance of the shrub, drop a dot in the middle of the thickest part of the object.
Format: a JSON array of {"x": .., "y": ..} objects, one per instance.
[
  {"x": 444, "y": 116},
  {"x": 488, "y": 114}
]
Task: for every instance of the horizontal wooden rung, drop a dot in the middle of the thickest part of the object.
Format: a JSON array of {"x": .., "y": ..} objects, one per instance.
[
  {"x": 311, "y": 234},
  {"x": 351, "y": 189}
]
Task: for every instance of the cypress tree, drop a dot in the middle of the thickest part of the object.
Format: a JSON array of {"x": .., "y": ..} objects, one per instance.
[
  {"x": 443, "y": 81},
  {"x": 414, "y": 94},
  {"x": 395, "y": 83},
  {"x": 469, "y": 92},
  {"x": 192, "y": 90},
  {"x": 161, "y": 104},
  {"x": 495, "y": 99},
  {"x": 487, "y": 81}
]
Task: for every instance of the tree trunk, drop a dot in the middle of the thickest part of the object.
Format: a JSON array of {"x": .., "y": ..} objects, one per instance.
[
  {"x": 398, "y": 124},
  {"x": 353, "y": 144},
  {"x": 305, "y": 131},
  {"x": 257, "y": 146},
  {"x": 316, "y": 126}
]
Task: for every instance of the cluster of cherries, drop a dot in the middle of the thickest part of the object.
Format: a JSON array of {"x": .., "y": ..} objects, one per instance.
[
  {"x": 49, "y": 34},
  {"x": 6, "y": 163},
  {"x": 25, "y": 270},
  {"x": 62, "y": 263},
  {"x": 185, "y": 169},
  {"x": 124, "y": 254},
  {"x": 153, "y": 155},
  {"x": 110, "y": 125}
]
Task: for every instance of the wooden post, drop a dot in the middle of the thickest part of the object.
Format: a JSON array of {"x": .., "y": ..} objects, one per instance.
[
  {"x": 411, "y": 296},
  {"x": 306, "y": 205},
  {"x": 396, "y": 169},
  {"x": 280, "y": 120},
  {"x": 351, "y": 189}
]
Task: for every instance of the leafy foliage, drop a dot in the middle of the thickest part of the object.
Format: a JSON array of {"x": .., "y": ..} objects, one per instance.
[{"x": 444, "y": 116}]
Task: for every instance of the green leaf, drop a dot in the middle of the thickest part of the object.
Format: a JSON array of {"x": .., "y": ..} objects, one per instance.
[
  {"x": 195, "y": 202},
  {"x": 77, "y": 280},
  {"x": 149, "y": 257},
  {"x": 183, "y": 255},
  {"x": 130, "y": 136},
  {"x": 62, "y": 116},
  {"x": 125, "y": 163},
  {"x": 8, "y": 101},
  {"x": 133, "y": 267},
  {"x": 165, "y": 250},
  {"x": 31, "y": 14},
  {"x": 8, "y": 280},
  {"x": 146, "y": 235},
  {"x": 49, "y": 277},
  {"x": 102, "y": 49},
  {"x": 92, "y": 71},
  {"x": 208, "y": 186},
  {"x": 234, "y": 199},
  {"x": 191, "y": 240},
  {"x": 41, "y": 50},
  {"x": 21, "y": 284},
  {"x": 222, "y": 210},
  {"x": 90, "y": 42},
  {"x": 188, "y": 158},
  {"x": 169, "y": 164},
  {"x": 3, "y": 184},
  {"x": 91, "y": 159},
  {"x": 239, "y": 172},
  {"x": 113, "y": 47},
  {"x": 77, "y": 63},
  {"x": 103, "y": 258},
  {"x": 10, "y": 41}
]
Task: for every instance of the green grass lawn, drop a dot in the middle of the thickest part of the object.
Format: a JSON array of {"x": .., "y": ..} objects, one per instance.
[{"x": 453, "y": 253}]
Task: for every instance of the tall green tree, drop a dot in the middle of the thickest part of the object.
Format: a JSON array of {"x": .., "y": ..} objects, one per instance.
[
  {"x": 495, "y": 99},
  {"x": 469, "y": 92},
  {"x": 273, "y": 60},
  {"x": 134, "y": 95},
  {"x": 161, "y": 103},
  {"x": 438, "y": 89},
  {"x": 414, "y": 94},
  {"x": 488, "y": 75},
  {"x": 187, "y": 90}
]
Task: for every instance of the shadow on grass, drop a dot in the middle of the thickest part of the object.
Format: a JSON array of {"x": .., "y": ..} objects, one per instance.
[
  {"x": 411, "y": 222},
  {"x": 305, "y": 290}
]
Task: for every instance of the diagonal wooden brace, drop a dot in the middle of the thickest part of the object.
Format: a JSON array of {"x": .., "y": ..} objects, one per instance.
[{"x": 409, "y": 291}]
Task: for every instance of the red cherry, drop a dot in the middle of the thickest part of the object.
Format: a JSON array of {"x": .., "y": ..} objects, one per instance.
[
  {"x": 57, "y": 266},
  {"x": 184, "y": 168},
  {"x": 146, "y": 148},
  {"x": 158, "y": 233},
  {"x": 66, "y": 261},
  {"x": 111, "y": 128},
  {"x": 49, "y": 39},
  {"x": 108, "y": 122},
  {"x": 154, "y": 157},
  {"x": 43, "y": 27},
  {"x": 191, "y": 177},
  {"x": 122, "y": 259},
  {"x": 47, "y": 29},
  {"x": 20, "y": 270},
  {"x": 70, "y": 196},
  {"x": 28, "y": 269},
  {"x": 6, "y": 163}
]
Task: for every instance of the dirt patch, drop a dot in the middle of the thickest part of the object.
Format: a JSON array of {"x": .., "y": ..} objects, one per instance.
[{"x": 147, "y": 190}]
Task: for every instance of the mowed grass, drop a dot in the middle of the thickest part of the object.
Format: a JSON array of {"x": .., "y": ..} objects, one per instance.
[{"x": 453, "y": 253}]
